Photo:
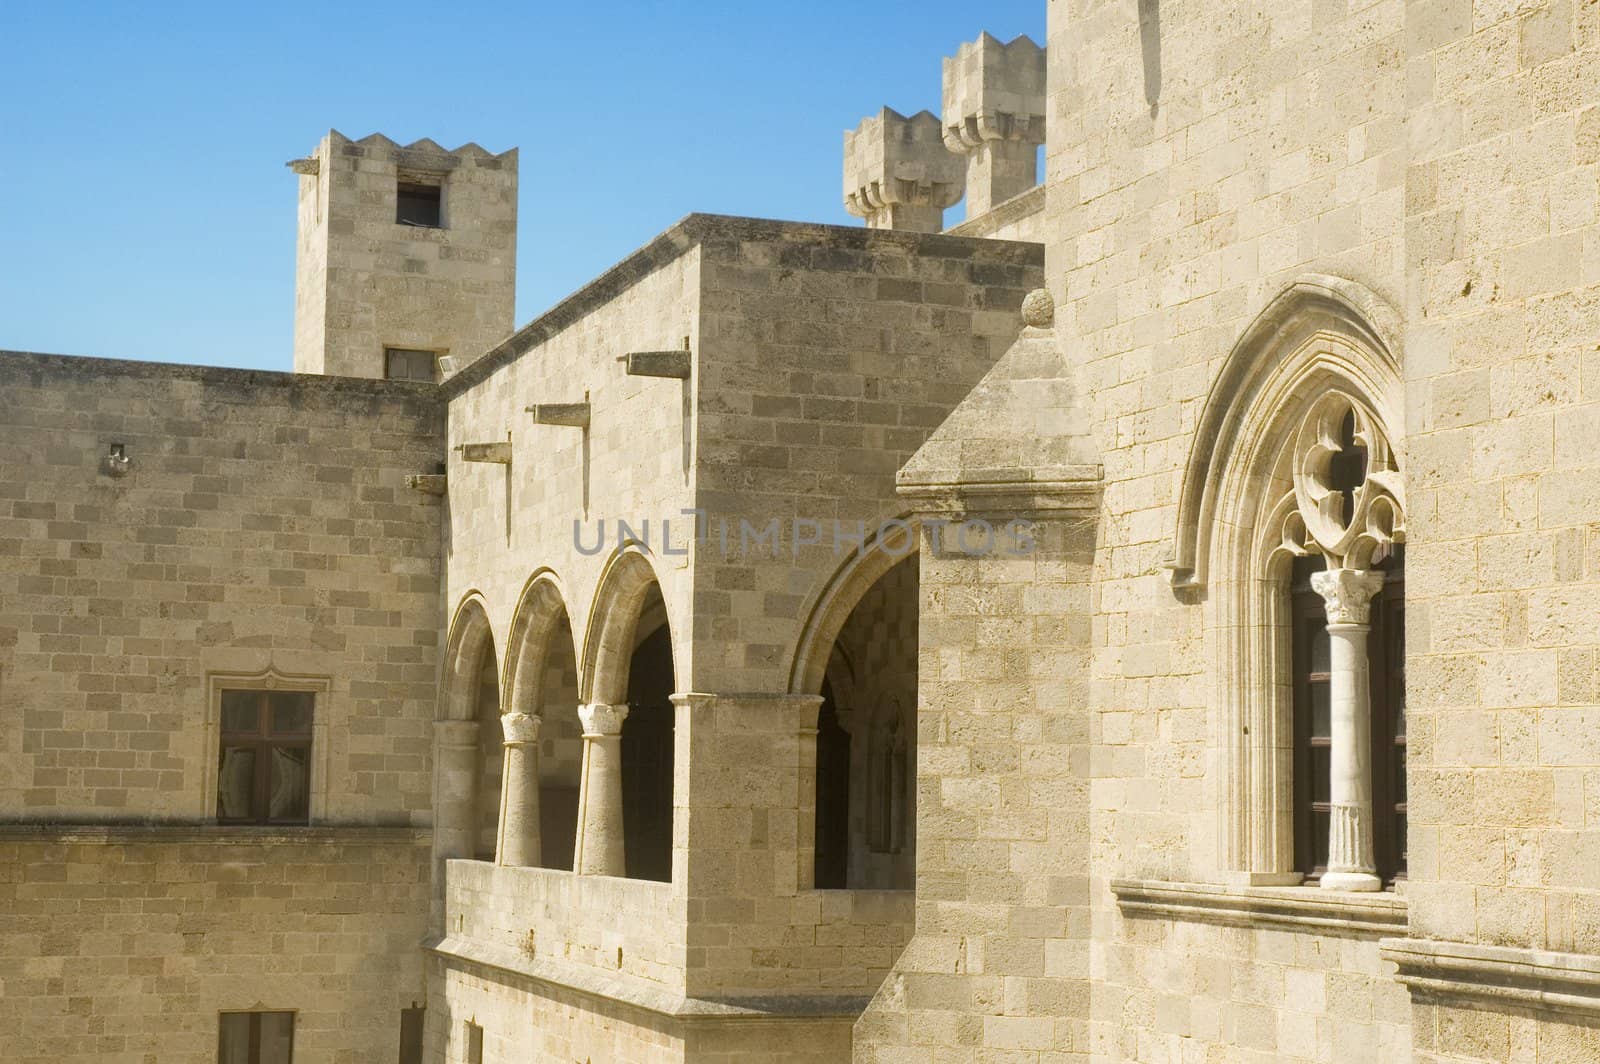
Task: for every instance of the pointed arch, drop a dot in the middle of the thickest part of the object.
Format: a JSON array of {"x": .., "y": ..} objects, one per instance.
[
  {"x": 1319, "y": 337},
  {"x": 839, "y": 596},
  {"x": 619, "y": 600},
  {"x": 1277, "y": 353},
  {"x": 540, "y": 611},
  {"x": 470, "y": 634}
]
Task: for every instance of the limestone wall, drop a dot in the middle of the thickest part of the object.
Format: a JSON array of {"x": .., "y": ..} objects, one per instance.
[
  {"x": 263, "y": 523},
  {"x": 262, "y": 527},
  {"x": 123, "y": 944},
  {"x": 1503, "y": 423},
  {"x": 827, "y": 356}
]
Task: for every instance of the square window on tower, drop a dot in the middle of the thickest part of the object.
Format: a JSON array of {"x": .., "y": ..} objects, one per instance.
[{"x": 419, "y": 204}]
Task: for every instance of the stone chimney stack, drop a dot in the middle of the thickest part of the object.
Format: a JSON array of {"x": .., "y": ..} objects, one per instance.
[
  {"x": 898, "y": 174},
  {"x": 994, "y": 108}
]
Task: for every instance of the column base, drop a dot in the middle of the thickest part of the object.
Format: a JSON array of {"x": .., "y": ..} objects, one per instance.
[{"x": 1351, "y": 881}]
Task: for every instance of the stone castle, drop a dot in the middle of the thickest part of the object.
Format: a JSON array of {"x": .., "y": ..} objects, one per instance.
[{"x": 1006, "y": 640}]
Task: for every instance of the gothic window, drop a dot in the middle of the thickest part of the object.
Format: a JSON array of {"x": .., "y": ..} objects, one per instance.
[
  {"x": 1340, "y": 523},
  {"x": 264, "y": 764},
  {"x": 255, "y": 1038}
]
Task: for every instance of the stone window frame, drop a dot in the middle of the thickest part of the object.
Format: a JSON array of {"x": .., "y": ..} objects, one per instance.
[
  {"x": 270, "y": 679},
  {"x": 1320, "y": 335},
  {"x": 255, "y": 1016}
]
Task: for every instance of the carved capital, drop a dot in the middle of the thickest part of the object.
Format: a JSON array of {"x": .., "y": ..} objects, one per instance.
[
  {"x": 520, "y": 729},
  {"x": 1347, "y": 593},
  {"x": 600, "y": 719}
]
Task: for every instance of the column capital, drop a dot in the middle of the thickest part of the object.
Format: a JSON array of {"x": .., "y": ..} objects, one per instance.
[
  {"x": 601, "y": 719},
  {"x": 520, "y": 729},
  {"x": 1347, "y": 593}
]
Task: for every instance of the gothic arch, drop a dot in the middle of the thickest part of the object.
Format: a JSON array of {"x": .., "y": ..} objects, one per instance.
[
  {"x": 1321, "y": 343},
  {"x": 470, "y": 634},
  {"x": 539, "y": 612},
  {"x": 624, "y": 585},
  {"x": 832, "y": 608},
  {"x": 1361, "y": 333}
]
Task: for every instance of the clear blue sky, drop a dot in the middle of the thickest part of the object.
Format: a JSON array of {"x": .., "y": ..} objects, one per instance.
[{"x": 142, "y": 145}]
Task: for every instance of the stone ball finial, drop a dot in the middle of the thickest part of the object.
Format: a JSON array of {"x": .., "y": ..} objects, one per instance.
[{"x": 1039, "y": 309}]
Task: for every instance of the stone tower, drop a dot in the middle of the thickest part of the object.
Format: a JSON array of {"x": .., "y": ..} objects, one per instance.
[{"x": 405, "y": 253}]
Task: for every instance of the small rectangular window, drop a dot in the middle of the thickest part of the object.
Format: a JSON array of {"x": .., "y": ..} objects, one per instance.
[
  {"x": 404, "y": 364},
  {"x": 474, "y": 1043},
  {"x": 264, "y": 767},
  {"x": 419, "y": 204},
  {"x": 255, "y": 1038}
]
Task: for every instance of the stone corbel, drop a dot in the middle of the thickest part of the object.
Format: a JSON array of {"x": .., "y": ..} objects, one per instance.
[
  {"x": 673, "y": 364},
  {"x": 496, "y": 453},
  {"x": 572, "y": 415}
]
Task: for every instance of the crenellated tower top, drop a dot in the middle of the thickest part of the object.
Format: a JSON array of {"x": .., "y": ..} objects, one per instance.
[{"x": 898, "y": 174}]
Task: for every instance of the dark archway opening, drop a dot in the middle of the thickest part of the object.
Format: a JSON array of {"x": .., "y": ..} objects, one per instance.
[
  {"x": 647, "y": 758},
  {"x": 833, "y": 797},
  {"x": 866, "y": 742},
  {"x": 491, "y": 758}
]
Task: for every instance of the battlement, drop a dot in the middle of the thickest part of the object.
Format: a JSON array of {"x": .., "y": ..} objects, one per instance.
[
  {"x": 994, "y": 114},
  {"x": 898, "y": 174}
]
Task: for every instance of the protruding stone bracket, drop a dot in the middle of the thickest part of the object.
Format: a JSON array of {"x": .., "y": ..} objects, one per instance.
[
  {"x": 497, "y": 453},
  {"x": 674, "y": 364},
  {"x": 427, "y": 483},
  {"x": 572, "y": 415},
  {"x": 310, "y": 166}
]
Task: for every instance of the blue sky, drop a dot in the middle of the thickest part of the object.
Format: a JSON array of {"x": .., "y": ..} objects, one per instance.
[{"x": 142, "y": 145}]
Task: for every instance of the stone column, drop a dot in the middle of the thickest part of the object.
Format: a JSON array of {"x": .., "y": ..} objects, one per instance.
[
  {"x": 1348, "y": 596},
  {"x": 519, "y": 808},
  {"x": 599, "y": 848},
  {"x": 455, "y": 785}
]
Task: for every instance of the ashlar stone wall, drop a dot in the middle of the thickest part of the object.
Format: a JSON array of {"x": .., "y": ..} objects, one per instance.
[{"x": 262, "y": 527}]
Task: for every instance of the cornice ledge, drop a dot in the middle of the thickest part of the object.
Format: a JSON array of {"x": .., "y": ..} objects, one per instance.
[
  {"x": 1506, "y": 976},
  {"x": 1004, "y": 489},
  {"x": 159, "y": 833},
  {"x": 1289, "y": 908},
  {"x": 632, "y": 992}
]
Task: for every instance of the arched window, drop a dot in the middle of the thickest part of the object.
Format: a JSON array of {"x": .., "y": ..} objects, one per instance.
[{"x": 1290, "y": 526}]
